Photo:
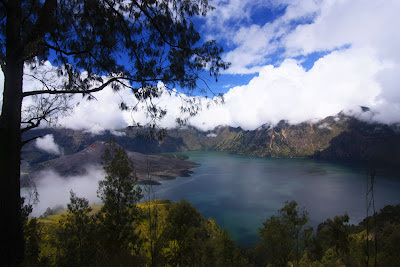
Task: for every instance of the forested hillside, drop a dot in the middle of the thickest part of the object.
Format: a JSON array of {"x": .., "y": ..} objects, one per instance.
[{"x": 163, "y": 233}]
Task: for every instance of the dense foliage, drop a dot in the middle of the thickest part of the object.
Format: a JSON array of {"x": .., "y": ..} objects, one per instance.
[
  {"x": 183, "y": 237},
  {"x": 76, "y": 238}
]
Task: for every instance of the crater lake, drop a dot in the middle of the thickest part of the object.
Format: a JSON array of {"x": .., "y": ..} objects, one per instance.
[{"x": 240, "y": 192}]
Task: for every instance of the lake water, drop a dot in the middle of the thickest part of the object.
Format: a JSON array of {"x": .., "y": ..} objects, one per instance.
[{"x": 241, "y": 192}]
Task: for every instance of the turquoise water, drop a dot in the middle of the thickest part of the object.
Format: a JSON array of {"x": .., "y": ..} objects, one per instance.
[{"x": 240, "y": 192}]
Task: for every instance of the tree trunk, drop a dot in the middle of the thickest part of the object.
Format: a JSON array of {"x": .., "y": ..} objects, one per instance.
[{"x": 12, "y": 242}]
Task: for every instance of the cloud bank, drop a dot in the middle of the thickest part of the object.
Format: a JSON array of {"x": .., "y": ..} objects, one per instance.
[
  {"x": 342, "y": 80},
  {"x": 48, "y": 145},
  {"x": 54, "y": 190},
  {"x": 361, "y": 65},
  {"x": 289, "y": 92}
]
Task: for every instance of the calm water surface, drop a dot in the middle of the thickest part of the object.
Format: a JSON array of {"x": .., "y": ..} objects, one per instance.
[{"x": 241, "y": 192}]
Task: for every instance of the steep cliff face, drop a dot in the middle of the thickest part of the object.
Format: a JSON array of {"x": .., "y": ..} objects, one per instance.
[
  {"x": 283, "y": 140},
  {"x": 337, "y": 137},
  {"x": 364, "y": 142}
]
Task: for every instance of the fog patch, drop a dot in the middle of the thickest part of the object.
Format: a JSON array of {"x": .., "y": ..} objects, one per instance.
[
  {"x": 118, "y": 133},
  {"x": 325, "y": 125},
  {"x": 48, "y": 145},
  {"x": 211, "y": 135},
  {"x": 54, "y": 189}
]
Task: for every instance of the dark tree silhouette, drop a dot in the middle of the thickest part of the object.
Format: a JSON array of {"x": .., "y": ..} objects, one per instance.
[
  {"x": 75, "y": 234},
  {"x": 283, "y": 237},
  {"x": 119, "y": 193},
  {"x": 91, "y": 44}
]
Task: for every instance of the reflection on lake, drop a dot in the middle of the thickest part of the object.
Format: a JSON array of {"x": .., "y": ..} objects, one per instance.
[{"x": 241, "y": 192}]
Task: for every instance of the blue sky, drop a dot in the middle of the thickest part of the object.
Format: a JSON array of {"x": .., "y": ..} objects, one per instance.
[
  {"x": 291, "y": 60},
  {"x": 250, "y": 16},
  {"x": 255, "y": 15}
]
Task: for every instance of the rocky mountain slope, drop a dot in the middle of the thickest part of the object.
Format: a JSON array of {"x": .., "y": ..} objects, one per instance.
[
  {"x": 337, "y": 137},
  {"x": 148, "y": 168}
]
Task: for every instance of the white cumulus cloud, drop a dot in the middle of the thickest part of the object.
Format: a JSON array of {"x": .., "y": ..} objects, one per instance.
[
  {"x": 339, "y": 81},
  {"x": 100, "y": 114},
  {"x": 48, "y": 145}
]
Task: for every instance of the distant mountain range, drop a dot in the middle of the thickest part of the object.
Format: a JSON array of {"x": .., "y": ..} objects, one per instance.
[{"x": 337, "y": 137}]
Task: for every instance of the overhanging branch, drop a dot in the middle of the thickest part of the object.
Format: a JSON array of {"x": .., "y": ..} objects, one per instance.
[
  {"x": 57, "y": 49},
  {"x": 54, "y": 92},
  {"x": 30, "y": 127},
  {"x": 30, "y": 139},
  {"x": 94, "y": 90}
]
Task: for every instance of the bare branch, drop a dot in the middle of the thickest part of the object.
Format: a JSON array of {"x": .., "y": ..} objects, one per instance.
[
  {"x": 32, "y": 126},
  {"x": 53, "y": 92},
  {"x": 30, "y": 139},
  {"x": 35, "y": 121},
  {"x": 44, "y": 108},
  {"x": 41, "y": 81},
  {"x": 96, "y": 89},
  {"x": 57, "y": 49}
]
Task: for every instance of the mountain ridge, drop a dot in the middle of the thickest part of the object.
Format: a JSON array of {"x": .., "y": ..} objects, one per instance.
[{"x": 337, "y": 137}]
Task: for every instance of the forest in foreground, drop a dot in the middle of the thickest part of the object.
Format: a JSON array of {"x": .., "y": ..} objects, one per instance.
[{"x": 163, "y": 233}]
